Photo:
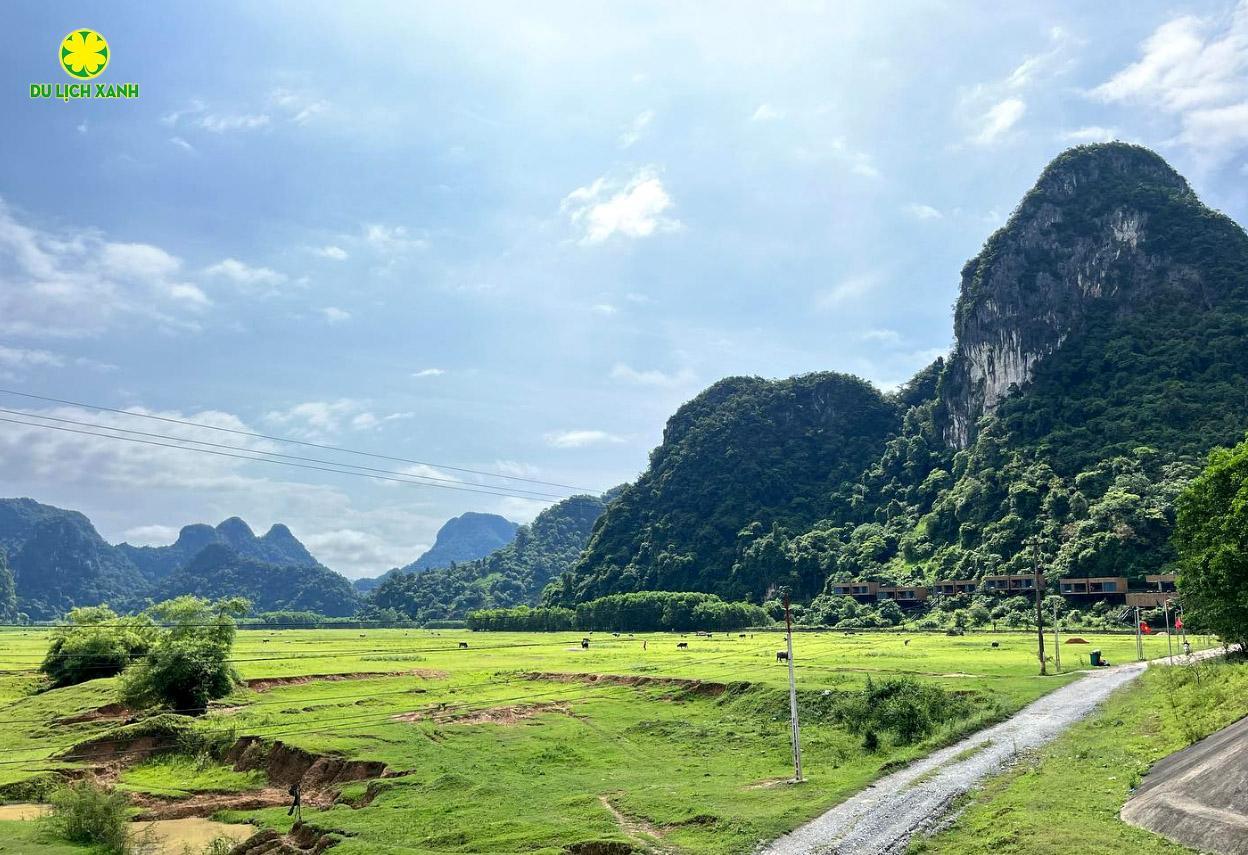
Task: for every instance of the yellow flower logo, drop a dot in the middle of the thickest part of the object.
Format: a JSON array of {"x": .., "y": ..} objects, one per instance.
[{"x": 84, "y": 54}]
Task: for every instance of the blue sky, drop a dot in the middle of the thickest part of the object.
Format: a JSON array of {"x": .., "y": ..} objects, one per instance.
[{"x": 515, "y": 237}]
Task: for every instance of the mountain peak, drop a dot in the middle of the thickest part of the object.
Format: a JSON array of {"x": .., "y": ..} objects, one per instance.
[
  {"x": 1103, "y": 229},
  {"x": 467, "y": 537},
  {"x": 1107, "y": 164},
  {"x": 233, "y": 528}
]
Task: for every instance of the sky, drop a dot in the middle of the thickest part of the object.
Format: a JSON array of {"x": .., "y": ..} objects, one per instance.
[{"x": 514, "y": 238}]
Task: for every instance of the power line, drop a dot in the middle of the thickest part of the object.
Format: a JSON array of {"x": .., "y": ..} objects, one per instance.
[
  {"x": 322, "y": 446},
  {"x": 364, "y": 469},
  {"x": 269, "y": 460}
]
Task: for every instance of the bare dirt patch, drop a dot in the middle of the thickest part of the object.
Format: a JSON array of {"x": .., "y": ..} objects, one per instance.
[
  {"x": 498, "y": 715},
  {"x": 285, "y": 765},
  {"x": 207, "y": 804},
  {"x": 264, "y": 684},
  {"x": 303, "y": 839},
  {"x": 106, "y": 712},
  {"x": 697, "y": 687}
]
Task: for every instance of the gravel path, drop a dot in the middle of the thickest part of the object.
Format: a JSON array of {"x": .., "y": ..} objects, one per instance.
[{"x": 882, "y": 818}]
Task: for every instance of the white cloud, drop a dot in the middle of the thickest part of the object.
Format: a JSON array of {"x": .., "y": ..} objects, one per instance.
[
  {"x": 1090, "y": 134},
  {"x": 766, "y": 113},
  {"x": 634, "y": 209},
  {"x": 392, "y": 239},
  {"x": 195, "y": 107},
  {"x": 847, "y": 291},
  {"x": 151, "y": 535},
  {"x": 245, "y": 276},
  {"x": 1185, "y": 66},
  {"x": 605, "y": 309},
  {"x": 335, "y": 315},
  {"x": 580, "y": 438},
  {"x": 332, "y": 252},
  {"x": 182, "y": 144},
  {"x": 999, "y": 119},
  {"x": 636, "y": 128},
  {"x": 429, "y": 372},
  {"x": 349, "y": 547},
  {"x": 884, "y": 336},
  {"x": 1039, "y": 66},
  {"x": 652, "y": 377},
  {"x": 75, "y": 283},
  {"x": 1196, "y": 70},
  {"x": 220, "y": 123},
  {"x": 298, "y": 106},
  {"x": 316, "y": 419},
  {"x": 21, "y": 358},
  {"x": 922, "y": 212}
]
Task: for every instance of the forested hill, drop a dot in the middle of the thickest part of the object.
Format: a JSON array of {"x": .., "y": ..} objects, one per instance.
[
  {"x": 1101, "y": 347},
  {"x": 510, "y": 576},
  {"x": 56, "y": 560},
  {"x": 466, "y": 537},
  {"x": 219, "y": 571},
  {"x": 276, "y": 546}
]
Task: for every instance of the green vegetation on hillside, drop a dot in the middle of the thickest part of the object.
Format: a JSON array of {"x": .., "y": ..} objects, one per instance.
[
  {"x": 1212, "y": 536},
  {"x": 511, "y": 576},
  {"x": 1131, "y": 297},
  {"x": 746, "y": 458}
]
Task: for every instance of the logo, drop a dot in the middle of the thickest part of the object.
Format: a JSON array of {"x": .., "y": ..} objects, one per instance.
[{"x": 84, "y": 54}]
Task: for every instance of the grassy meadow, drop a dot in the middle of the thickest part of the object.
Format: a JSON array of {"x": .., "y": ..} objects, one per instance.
[{"x": 515, "y": 745}]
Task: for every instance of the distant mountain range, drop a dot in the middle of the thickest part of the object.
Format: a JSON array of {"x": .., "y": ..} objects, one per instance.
[
  {"x": 58, "y": 560},
  {"x": 464, "y": 538}
]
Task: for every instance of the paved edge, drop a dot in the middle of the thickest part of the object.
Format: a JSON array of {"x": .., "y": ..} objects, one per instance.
[
  {"x": 1194, "y": 796},
  {"x": 884, "y": 817}
]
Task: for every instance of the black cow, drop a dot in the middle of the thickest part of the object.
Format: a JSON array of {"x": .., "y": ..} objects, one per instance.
[
  {"x": 463, "y": 645},
  {"x": 584, "y": 643},
  {"x": 682, "y": 644},
  {"x": 781, "y": 656}
]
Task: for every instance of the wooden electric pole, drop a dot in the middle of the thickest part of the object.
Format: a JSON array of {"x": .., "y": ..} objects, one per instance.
[
  {"x": 794, "y": 732},
  {"x": 1034, "y": 540}
]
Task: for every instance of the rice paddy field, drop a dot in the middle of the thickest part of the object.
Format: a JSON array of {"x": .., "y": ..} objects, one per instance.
[{"x": 408, "y": 742}]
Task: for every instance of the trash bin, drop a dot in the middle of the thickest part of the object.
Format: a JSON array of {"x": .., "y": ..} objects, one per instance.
[{"x": 1094, "y": 657}]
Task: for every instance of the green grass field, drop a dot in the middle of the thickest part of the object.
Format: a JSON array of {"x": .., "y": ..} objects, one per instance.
[{"x": 496, "y": 753}]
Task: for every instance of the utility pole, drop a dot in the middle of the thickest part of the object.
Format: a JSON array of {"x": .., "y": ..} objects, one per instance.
[
  {"x": 794, "y": 732},
  {"x": 1034, "y": 541},
  {"x": 1057, "y": 647},
  {"x": 1139, "y": 637},
  {"x": 1169, "y": 641}
]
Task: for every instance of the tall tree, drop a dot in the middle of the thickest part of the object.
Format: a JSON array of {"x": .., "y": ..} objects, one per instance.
[{"x": 1212, "y": 539}]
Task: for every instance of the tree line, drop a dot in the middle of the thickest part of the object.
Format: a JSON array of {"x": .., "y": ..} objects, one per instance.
[{"x": 644, "y": 611}]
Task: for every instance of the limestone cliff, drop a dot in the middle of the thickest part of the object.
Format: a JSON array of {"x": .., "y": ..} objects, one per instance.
[{"x": 1084, "y": 234}]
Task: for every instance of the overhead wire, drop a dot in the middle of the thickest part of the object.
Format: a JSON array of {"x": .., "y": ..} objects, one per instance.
[{"x": 292, "y": 441}]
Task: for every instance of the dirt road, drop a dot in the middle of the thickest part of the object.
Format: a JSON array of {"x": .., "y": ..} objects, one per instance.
[{"x": 883, "y": 818}]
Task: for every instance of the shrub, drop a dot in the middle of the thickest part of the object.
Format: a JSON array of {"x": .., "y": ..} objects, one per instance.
[
  {"x": 85, "y": 812},
  {"x": 187, "y": 665},
  {"x": 94, "y": 643}
]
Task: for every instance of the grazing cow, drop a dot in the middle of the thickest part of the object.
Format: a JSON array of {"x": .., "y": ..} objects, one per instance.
[
  {"x": 741, "y": 635},
  {"x": 584, "y": 643},
  {"x": 682, "y": 645},
  {"x": 615, "y": 634},
  {"x": 463, "y": 645},
  {"x": 996, "y": 644},
  {"x": 906, "y": 643},
  {"x": 782, "y": 656}
]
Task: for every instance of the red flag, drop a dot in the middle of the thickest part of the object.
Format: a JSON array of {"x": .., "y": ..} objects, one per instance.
[
  {"x": 1178, "y": 623},
  {"x": 1145, "y": 628}
]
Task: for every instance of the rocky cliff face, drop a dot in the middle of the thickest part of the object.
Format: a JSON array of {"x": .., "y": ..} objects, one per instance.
[{"x": 1081, "y": 236}]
